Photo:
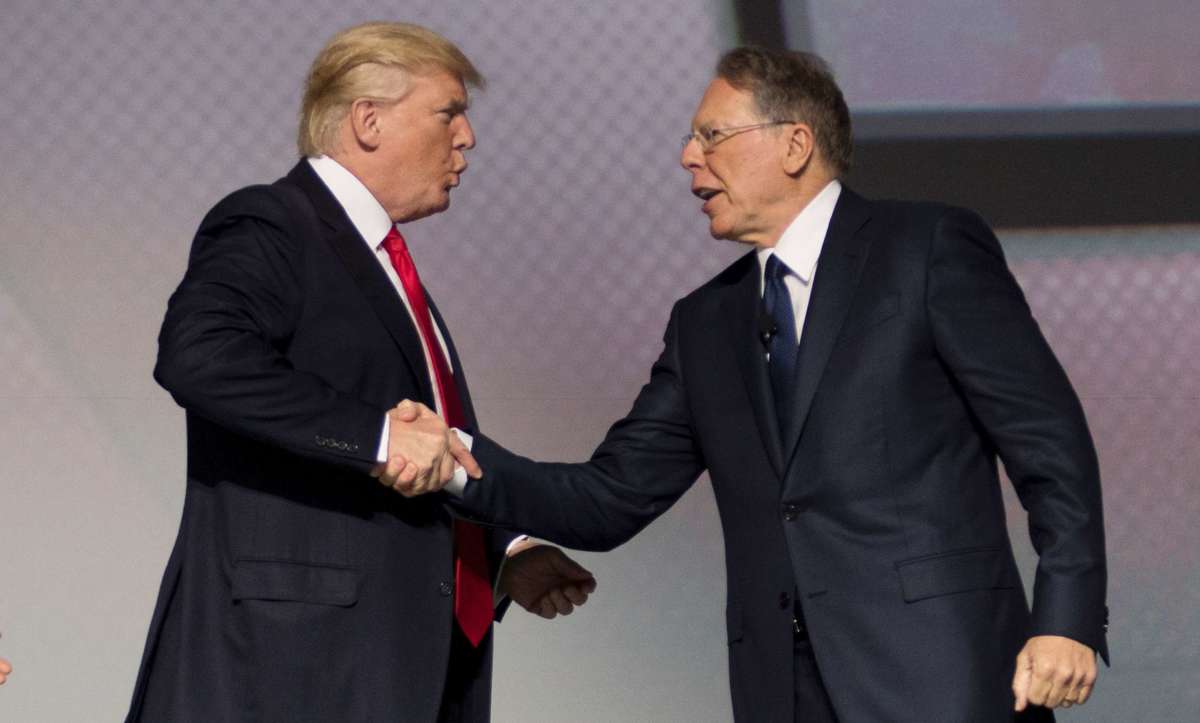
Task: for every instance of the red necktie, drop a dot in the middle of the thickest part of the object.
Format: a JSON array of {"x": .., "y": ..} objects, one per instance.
[{"x": 472, "y": 591}]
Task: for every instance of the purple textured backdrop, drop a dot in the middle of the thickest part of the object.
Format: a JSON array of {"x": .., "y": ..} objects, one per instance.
[{"x": 556, "y": 266}]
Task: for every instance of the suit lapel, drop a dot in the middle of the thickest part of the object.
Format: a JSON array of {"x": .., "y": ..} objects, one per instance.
[
  {"x": 460, "y": 377},
  {"x": 838, "y": 270},
  {"x": 740, "y": 307},
  {"x": 364, "y": 268}
]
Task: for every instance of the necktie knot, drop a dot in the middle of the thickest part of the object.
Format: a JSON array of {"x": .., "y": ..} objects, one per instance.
[
  {"x": 776, "y": 269},
  {"x": 393, "y": 243}
]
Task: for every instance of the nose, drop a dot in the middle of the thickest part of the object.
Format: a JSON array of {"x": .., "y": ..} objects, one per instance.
[
  {"x": 691, "y": 157},
  {"x": 464, "y": 137}
]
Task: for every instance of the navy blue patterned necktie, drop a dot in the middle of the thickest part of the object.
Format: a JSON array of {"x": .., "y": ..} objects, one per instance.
[{"x": 784, "y": 347}]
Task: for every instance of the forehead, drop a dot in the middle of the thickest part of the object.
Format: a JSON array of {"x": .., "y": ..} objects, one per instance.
[
  {"x": 437, "y": 87},
  {"x": 722, "y": 104}
]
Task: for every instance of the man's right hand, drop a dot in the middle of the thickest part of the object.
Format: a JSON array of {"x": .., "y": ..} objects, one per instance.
[
  {"x": 422, "y": 451},
  {"x": 5, "y": 669}
]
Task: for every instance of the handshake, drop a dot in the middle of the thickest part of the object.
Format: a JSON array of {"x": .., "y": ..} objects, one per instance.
[{"x": 422, "y": 452}]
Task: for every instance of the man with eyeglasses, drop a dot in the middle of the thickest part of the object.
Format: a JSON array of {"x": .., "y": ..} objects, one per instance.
[{"x": 849, "y": 385}]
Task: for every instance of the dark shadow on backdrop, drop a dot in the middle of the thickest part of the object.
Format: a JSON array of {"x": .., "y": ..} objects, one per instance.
[
  {"x": 1022, "y": 181},
  {"x": 1019, "y": 180}
]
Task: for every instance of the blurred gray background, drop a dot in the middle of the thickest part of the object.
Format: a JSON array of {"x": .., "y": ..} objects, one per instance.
[{"x": 123, "y": 122}]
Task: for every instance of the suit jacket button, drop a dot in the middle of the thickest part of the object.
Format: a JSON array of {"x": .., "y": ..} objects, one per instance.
[{"x": 445, "y": 588}]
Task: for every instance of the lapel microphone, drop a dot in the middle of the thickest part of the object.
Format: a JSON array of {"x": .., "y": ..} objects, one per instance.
[{"x": 767, "y": 328}]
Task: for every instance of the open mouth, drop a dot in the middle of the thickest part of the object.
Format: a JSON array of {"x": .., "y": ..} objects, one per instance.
[{"x": 707, "y": 195}]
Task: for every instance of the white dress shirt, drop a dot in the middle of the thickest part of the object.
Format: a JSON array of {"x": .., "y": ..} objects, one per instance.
[
  {"x": 372, "y": 223},
  {"x": 799, "y": 248}
]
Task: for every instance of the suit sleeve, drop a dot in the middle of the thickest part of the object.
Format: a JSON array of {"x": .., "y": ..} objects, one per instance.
[
  {"x": 220, "y": 351},
  {"x": 646, "y": 462},
  {"x": 1015, "y": 386}
]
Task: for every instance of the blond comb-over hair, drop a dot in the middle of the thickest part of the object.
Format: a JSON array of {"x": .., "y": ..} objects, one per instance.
[{"x": 353, "y": 65}]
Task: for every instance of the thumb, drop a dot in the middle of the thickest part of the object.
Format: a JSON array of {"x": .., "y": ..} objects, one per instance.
[
  {"x": 572, "y": 569},
  {"x": 408, "y": 411},
  {"x": 1022, "y": 679},
  {"x": 463, "y": 456}
]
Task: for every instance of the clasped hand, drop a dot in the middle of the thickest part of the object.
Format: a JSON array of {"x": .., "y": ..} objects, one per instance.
[
  {"x": 422, "y": 452},
  {"x": 1054, "y": 671},
  {"x": 543, "y": 580}
]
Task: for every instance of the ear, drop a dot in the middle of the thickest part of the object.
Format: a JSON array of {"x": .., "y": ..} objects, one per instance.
[
  {"x": 365, "y": 123},
  {"x": 801, "y": 145}
]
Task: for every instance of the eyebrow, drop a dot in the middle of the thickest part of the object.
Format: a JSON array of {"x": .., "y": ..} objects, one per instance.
[{"x": 456, "y": 106}]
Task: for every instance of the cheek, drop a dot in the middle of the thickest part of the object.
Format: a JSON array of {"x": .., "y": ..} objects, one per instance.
[{"x": 729, "y": 180}]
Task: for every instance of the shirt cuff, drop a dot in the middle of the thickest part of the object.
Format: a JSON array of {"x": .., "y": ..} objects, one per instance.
[
  {"x": 497, "y": 596},
  {"x": 457, "y": 486},
  {"x": 381, "y": 453},
  {"x": 517, "y": 540}
]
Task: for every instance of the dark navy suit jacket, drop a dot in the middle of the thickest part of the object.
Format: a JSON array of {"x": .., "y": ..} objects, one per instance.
[
  {"x": 299, "y": 588},
  {"x": 919, "y": 367}
]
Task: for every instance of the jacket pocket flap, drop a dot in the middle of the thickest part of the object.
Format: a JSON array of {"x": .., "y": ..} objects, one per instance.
[
  {"x": 951, "y": 572},
  {"x": 295, "y": 582}
]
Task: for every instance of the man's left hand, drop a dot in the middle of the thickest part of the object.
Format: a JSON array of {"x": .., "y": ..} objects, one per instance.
[
  {"x": 1054, "y": 671},
  {"x": 543, "y": 580}
]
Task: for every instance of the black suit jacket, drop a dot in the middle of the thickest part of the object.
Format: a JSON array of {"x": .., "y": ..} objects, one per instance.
[
  {"x": 919, "y": 366},
  {"x": 299, "y": 588}
]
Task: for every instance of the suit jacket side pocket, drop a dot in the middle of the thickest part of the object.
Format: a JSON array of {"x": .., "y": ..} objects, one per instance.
[{"x": 953, "y": 572}]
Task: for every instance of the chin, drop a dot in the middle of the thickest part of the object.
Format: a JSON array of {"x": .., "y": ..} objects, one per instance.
[
  {"x": 724, "y": 233},
  {"x": 431, "y": 209},
  {"x": 720, "y": 231}
]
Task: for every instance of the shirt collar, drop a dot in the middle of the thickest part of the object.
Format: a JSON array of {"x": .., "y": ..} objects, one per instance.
[
  {"x": 365, "y": 212},
  {"x": 800, "y": 245}
]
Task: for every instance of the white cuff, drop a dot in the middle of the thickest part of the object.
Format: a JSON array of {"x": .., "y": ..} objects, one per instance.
[
  {"x": 517, "y": 540},
  {"x": 381, "y": 453},
  {"x": 497, "y": 596},
  {"x": 457, "y": 486}
]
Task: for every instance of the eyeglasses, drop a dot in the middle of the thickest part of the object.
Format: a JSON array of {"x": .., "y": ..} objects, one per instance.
[{"x": 708, "y": 138}]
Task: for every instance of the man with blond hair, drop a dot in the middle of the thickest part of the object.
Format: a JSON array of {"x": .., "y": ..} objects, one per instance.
[{"x": 300, "y": 588}]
